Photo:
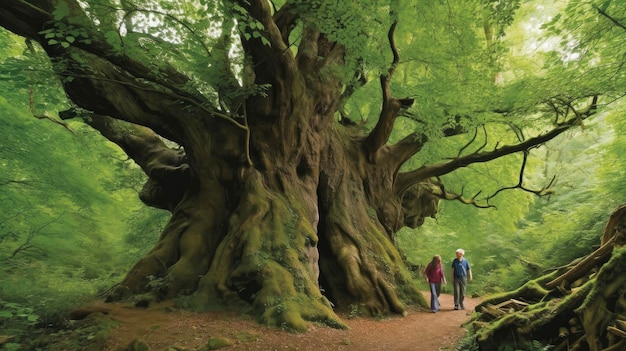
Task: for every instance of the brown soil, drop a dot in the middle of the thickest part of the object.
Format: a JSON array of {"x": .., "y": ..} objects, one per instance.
[{"x": 162, "y": 327}]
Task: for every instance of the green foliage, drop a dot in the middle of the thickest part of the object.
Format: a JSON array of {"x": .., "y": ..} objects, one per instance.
[
  {"x": 71, "y": 220},
  {"x": 527, "y": 234},
  {"x": 15, "y": 316}
]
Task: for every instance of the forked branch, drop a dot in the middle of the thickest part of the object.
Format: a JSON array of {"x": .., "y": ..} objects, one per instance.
[
  {"x": 391, "y": 106},
  {"x": 546, "y": 190},
  {"x": 442, "y": 193},
  {"x": 407, "y": 179}
]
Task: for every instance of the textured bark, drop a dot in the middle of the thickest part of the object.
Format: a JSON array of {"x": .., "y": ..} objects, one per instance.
[{"x": 274, "y": 203}]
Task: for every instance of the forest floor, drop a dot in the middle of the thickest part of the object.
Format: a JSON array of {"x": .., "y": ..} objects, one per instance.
[{"x": 161, "y": 328}]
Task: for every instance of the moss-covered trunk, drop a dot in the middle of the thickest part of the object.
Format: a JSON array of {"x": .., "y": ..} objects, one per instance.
[
  {"x": 306, "y": 229},
  {"x": 274, "y": 202},
  {"x": 286, "y": 244}
]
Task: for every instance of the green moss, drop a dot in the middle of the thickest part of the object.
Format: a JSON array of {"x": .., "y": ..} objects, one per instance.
[
  {"x": 245, "y": 336},
  {"x": 608, "y": 279},
  {"x": 216, "y": 343}
]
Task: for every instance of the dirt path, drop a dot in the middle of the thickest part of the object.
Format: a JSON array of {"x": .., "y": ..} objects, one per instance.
[{"x": 419, "y": 330}]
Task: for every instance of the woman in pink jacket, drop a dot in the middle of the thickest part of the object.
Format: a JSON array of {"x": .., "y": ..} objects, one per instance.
[{"x": 434, "y": 278}]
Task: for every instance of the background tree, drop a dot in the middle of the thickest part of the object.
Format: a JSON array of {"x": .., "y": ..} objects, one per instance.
[
  {"x": 579, "y": 305},
  {"x": 266, "y": 130},
  {"x": 63, "y": 224}
]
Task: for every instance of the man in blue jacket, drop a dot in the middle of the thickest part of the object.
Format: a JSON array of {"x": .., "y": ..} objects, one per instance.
[{"x": 461, "y": 272}]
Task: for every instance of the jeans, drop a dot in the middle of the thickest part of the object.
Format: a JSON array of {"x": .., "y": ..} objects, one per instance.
[
  {"x": 460, "y": 284},
  {"x": 435, "y": 290}
]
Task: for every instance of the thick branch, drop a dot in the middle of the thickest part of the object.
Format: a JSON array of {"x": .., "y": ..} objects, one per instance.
[
  {"x": 285, "y": 20},
  {"x": 166, "y": 168},
  {"x": 406, "y": 148},
  {"x": 425, "y": 172},
  {"x": 308, "y": 49},
  {"x": 391, "y": 106},
  {"x": 596, "y": 258},
  {"x": 105, "y": 81},
  {"x": 30, "y": 20},
  {"x": 278, "y": 49}
]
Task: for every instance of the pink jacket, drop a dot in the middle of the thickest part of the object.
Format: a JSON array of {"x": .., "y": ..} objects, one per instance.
[{"x": 434, "y": 275}]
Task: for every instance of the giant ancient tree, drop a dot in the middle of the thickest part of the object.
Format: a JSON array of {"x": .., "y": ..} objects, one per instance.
[{"x": 271, "y": 132}]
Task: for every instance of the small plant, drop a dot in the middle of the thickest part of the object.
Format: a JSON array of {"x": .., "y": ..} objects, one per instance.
[
  {"x": 14, "y": 316},
  {"x": 354, "y": 310},
  {"x": 15, "y": 320},
  {"x": 157, "y": 284}
]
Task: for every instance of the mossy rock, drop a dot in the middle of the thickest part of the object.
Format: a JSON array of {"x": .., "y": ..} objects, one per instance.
[
  {"x": 245, "y": 336},
  {"x": 138, "y": 345},
  {"x": 216, "y": 343}
]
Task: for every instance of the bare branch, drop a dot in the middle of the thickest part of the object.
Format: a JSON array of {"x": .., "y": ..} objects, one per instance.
[
  {"x": 25, "y": 183},
  {"x": 611, "y": 18},
  {"x": 539, "y": 192},
  {"x": 439, "y": 190},
  {"x": 44, "y": 115},
  {"x": 27, "y": 244}
]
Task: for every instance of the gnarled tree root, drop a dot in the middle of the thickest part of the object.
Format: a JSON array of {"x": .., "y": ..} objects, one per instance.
[{"x": 578, "y": 307}]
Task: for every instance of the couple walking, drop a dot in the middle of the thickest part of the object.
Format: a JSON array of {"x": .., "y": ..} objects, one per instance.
[{"x": 461, "y": 272}]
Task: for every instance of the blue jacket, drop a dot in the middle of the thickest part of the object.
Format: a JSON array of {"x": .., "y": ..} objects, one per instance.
[{"x": 460, "y": 268}]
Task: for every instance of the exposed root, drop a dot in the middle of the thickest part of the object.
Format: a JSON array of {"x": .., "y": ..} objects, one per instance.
[{"x": 579, "y": 307}]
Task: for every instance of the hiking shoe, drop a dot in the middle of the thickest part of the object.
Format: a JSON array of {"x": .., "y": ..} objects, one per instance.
[{"x": 456, "y": 307}]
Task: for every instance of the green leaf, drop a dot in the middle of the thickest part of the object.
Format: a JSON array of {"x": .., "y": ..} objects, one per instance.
[
  {"x": 61, "y": 11},
  {"x": 65, "y": 44},
  {"x": 32, "y": 318},
  {"x": 113, "y": 38}
]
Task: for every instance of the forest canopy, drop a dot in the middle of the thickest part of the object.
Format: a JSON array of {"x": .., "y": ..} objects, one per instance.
[{"x": 307, "y": 152}]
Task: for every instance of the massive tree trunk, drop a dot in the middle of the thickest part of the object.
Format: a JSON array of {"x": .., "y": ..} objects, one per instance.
[
  {"x": 277, "y": 204},
  {"x": 276, "y": 198}
]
